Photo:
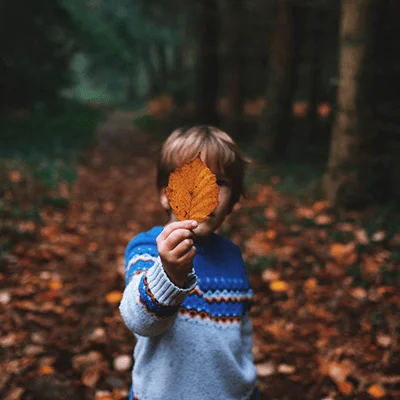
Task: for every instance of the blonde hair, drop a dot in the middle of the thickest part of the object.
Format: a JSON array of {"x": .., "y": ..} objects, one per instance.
[{"x": 218, "y": 151}]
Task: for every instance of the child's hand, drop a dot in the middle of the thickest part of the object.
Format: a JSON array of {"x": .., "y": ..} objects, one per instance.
[{"x": 176, "y": 250}]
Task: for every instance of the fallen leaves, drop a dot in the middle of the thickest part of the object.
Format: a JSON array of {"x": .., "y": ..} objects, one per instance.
[
  {"x": 376, "y": 391},
  {"x": 279, "y": 286},
  {"x": 344, "y": 254},
  {"x": 46, "y": 370},
  {"x": 192, "y": 191},
  {"x": 114, "y": 297},
  {"x": 324, "y": 292}
]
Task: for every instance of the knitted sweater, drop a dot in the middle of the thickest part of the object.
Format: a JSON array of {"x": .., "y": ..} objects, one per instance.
[{"x": 192, "y": 343}]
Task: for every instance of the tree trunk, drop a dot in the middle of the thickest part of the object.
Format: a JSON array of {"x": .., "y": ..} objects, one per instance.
[
  {"x": 341, "y": 178},
  {"x": 236, "y": 58},
  {"x": 154, "y": 81},
  {"x": 208, "y": 74},
  {"x": 271, "y": 139},
  {"x": 162, "y": 64},
  {"x": 315, "y": 72}
]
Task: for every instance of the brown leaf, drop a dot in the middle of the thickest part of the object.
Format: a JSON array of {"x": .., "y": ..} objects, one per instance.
[
  {"x": 345, "y": 387},
  {"x": 15, "y": 393},
  {"x": 91, "y": 375},
  {"x": 344, "y": 253},
  {"x": 192, "y": 191},
  {"x": 339, "y": 372}
]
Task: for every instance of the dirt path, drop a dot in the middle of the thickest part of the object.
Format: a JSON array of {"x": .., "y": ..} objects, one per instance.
[{"x": 61, "y": 333}]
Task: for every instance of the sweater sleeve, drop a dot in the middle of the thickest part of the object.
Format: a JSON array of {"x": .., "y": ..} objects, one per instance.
[{"x": 150, "y": 301}]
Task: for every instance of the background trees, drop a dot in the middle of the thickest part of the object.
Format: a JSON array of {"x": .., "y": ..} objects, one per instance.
[{"x": 297, "y": 81}]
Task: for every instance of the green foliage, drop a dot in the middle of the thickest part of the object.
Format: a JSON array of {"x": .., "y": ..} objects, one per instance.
[
  {"x": 115, "y": 33},
  {"x": 98, "y": 35},
  {"x": 43, "y": 150},
  {"x": 48, "y": 134},
  {"x": 289, "y": 178}
]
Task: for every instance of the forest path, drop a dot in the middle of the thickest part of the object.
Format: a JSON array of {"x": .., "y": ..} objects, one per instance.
[
  {"x": 316, "y": 322},
  {"x": 62, "y": 331}
]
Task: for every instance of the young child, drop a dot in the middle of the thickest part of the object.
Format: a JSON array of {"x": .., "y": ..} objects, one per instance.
[{"x": 187, "y": 294}]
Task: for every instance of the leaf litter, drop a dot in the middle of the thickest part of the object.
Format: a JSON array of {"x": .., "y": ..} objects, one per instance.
[{"x": 326, "y": 304}]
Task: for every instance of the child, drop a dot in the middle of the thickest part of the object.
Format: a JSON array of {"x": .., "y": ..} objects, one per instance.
[{"x": 187, "y": 294}]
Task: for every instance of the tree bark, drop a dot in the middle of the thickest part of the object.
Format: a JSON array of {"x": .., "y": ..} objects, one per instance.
[
  {"x": 154, "y": 80},
  {"x": 271, "y": 139},
  {"x": 236, "y": 63},
  {"x": 162, "y": 64},
  {"x": 315, "y": 72},
  {"x": 208, "y": 61},
  {"x": 344, "y": 161}
]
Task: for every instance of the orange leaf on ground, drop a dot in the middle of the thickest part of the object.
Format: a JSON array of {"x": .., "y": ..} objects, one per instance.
[
  {"x": 344, "y": 253},
  {"x": 192, "y": 191},
  {"x": 114, "y": 297},
  {"x": 46, "y": 370},
  {"x": 55, "y": 285},
  {"x": 14, "y": 176},
  {"x": 376, "y": 391},
  {"x": 345, "y": 387},
  {"x": 279, "y": 286}
]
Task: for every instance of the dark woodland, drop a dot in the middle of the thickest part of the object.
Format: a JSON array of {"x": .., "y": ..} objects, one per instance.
[{"x": 309, "y": 89}]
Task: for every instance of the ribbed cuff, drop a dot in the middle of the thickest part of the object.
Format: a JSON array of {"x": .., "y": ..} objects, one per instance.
[{"x": 164, "y": 291}]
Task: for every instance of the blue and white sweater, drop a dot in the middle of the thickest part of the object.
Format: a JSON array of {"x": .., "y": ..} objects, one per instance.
[{"x": 192, "y": 343}]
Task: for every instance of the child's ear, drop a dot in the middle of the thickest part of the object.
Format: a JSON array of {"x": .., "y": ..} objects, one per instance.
[{"x": 164, "y": 200}]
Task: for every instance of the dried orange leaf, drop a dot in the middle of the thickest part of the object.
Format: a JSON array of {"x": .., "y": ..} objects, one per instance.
[
  {"x": 279, "y": 286},
  {"x": 192, "y": 191},
  {"x": 344, "y": 254},
  {"x": 46, "y": 370},
  {"x": 271, "y": 234},
  {"x": 376, "y": 391},
  {"x": 55, "y": 285},
  {"x": 345, "y": 387},
  {"x": 114, "y": 297}
]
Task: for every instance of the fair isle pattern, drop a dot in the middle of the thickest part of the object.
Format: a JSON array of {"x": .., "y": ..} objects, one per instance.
[
  {"x": 139, "y": 262},
  {"x": 227, "y": 295},
  {"x": 201, "y": 316},
  {"x": 224, "y": 295},
  {"x": 222, "y": 310},
  {"x": 139, "y": 257},
  {"x": 220, "y": 306}
]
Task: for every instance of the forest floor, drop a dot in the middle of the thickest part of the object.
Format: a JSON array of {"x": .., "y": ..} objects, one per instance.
[{"x": 325, "y": 316}]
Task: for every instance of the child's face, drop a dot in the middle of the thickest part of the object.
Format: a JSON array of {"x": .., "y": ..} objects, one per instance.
[{"x": 217, "y": 217}]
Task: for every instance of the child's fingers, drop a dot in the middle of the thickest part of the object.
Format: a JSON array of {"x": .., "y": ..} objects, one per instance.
[
  {"x": 189, "y": 224},
  {"x": 188, "y": 256},
  {"x": 177, "y": 237},
  {"x": 182, "y": 248}
]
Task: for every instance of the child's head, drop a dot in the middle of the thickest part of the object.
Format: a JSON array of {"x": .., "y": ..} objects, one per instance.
[{"x": 217, "y": 150}]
